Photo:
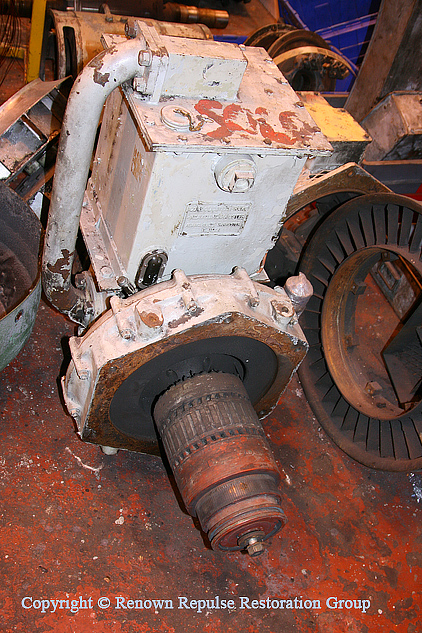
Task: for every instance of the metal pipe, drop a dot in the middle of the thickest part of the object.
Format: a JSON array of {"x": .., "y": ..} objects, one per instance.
[
  {"x": 214, "y": 18},
  {"x": 108, "y": 70}
]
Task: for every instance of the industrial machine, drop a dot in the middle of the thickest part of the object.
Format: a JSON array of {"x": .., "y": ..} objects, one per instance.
[
  {"x": 73, "y": 38},
  {"x": 215, "y": 193},
  {"x": 181, "y": 345},
  {"x": 360, "y": 245}
]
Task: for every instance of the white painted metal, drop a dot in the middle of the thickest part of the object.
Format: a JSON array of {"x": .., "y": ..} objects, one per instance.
[
  {"x": 104, "y": 73},
  {"x": 163, "y": 311},
  {"x": 176, "y": 206},
  {"x": 205, "y": 176},
  {"x": 264, "y": 115}
]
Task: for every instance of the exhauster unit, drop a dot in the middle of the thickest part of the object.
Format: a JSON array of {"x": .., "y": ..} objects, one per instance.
[{"x": 200, "y": 147}]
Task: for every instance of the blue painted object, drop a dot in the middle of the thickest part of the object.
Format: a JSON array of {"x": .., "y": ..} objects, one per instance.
[
  {"x": 322, "y": 14},
  {"x": 232, "y": 39}
]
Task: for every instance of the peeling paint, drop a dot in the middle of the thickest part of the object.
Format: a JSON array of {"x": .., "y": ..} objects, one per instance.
[
  {"x": 101, "y": 78},
  {"x": 235, "y": 118},
  {"x": 62, "y": 266},
  {"x": 185, "y": 318}
]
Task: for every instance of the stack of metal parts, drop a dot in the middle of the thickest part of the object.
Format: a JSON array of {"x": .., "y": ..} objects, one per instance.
[{"x": 30, "y": 124}]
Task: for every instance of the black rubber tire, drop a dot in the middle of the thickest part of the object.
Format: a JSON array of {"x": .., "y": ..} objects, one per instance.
[{"x": 392, "y": 223}]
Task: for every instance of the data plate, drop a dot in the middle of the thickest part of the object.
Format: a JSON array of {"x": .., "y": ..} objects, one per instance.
[{"x": 207, "y": 218}]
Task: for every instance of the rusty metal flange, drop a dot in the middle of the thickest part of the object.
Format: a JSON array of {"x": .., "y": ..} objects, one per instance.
[{"x": 144, "y": 341}]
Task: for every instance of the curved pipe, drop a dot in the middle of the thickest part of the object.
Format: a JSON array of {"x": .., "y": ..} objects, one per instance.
[{"x": 100, "y": 77}]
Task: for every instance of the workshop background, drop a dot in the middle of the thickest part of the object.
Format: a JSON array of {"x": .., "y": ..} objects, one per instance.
[{"x": 79, "y": 525}]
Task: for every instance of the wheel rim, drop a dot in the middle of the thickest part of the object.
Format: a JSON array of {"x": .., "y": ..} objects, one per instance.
[
  {"x": 295, "y": 39},
  {"x": 266, "y": 35},
  {"x": 341, "y": 252}
]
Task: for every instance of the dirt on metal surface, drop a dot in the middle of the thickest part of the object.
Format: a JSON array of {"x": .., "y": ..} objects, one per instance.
[
  {"x": 13, "y": 279},
  {"x": 77, "y": 525}
]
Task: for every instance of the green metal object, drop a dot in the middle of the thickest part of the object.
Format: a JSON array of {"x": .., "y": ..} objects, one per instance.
[
  {"x": 16, "y": 327},
  {"x": 20, "y": 285}
]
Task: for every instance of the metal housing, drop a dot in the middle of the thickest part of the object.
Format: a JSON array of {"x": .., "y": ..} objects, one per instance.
[
  {"x": 157, "y": 176},
  {"x": 162, "y": 318}
]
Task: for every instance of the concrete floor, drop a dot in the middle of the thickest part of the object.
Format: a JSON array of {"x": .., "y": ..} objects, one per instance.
[{"x": 78, "y": 525}]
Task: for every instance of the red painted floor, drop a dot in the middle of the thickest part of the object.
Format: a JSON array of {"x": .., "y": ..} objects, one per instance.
[{"x": 77, "y": 526}]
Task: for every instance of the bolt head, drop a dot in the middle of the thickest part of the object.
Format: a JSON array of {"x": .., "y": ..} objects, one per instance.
[
  {"x": 145, "y": 58},
  {"x": 80, "y": 281},
  {"x": 372, "y": 388},
  {"x": 139, "y": 84},
  {"x": 127, "y": 334},
  {"x": 131, "y": 28},
  {"x": 255, "y": 549},
  {"x": 282, "y": 310}
]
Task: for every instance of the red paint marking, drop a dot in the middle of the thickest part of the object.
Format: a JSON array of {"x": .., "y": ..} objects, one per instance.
[
  {"x": 415, "y": 196},
  {"x": 278, "y": 137},
  {"x": 232, "y": 119},
  {"x": 287, "y": 119},
  {"x": 227, "y": 119}
]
